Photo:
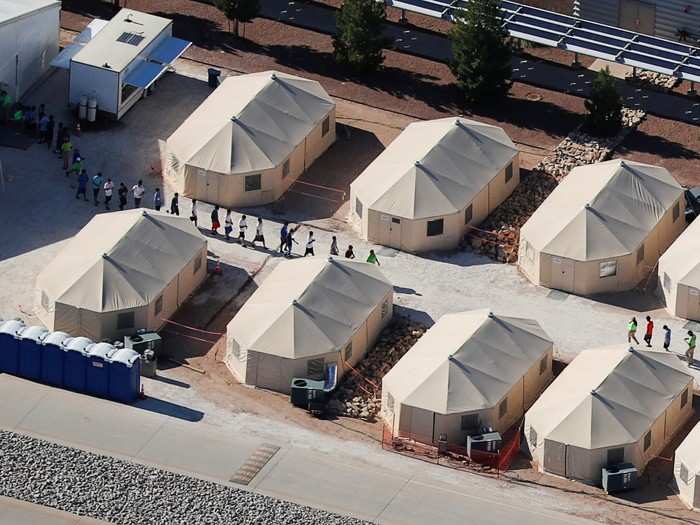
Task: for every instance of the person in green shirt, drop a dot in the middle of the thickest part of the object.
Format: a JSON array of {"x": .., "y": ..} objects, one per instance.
[
  {"x": 372, "y": 258},
  {"x": 67, "y": 153},
  {"x": 690, "y": 352},
  {"x": 76, "y": 167},
  {"x": 5, "y": 105},
  {"x": 632, "y": 331}
]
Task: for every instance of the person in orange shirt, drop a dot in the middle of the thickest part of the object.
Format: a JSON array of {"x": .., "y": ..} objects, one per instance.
[{"x": 649, "y": 332}]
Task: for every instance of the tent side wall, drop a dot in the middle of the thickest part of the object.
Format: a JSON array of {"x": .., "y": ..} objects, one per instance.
[
  {"x": 529, "y": 261},
  {"x": 316, "y": 142},
  {"x": 499, "y": 189},
  {"x": 537, "y": 378},
  {"x": 276, "y": 373}
]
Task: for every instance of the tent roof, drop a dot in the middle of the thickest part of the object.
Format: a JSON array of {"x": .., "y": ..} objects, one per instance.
[
  {"x": 602, "y": 210},
  {"x": 682, "y": 259},
  {"x": 251, "y": 123},
  {"x": 434, "y": 167},
  {"x": 608, "y": 397},
  {"x": 467, "y": 361},
  {"x": 13, "y": 9},
  {"x": 309, "y": 307},
  {"x": 121, "y": 260},
  {"x": 689, "y": 450}
]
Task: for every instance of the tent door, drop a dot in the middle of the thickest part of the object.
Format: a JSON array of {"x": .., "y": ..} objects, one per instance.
[
  {"x": 555, "y": 457},
  {"x": 390, "y": 231},
  {"x": 693, "y": 303},
  {"x": 563, "y": 274},
  {"x": 212, "y": 192}
]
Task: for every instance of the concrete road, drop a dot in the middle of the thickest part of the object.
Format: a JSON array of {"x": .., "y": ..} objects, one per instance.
[
  {"x": 410, "y": 493},
  {"x": 13, "y": 512}
]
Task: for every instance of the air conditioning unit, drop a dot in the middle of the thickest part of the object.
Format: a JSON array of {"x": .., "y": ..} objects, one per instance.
[
  {"x": 142, "y": 341},
  {"x": 305, "y": 390},
  {"x": 617, "y": 478},
  {"x": 489, "y": 442}
]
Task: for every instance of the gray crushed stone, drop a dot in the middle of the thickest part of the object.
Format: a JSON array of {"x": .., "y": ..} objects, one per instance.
[{"x": 123, "y": 492}]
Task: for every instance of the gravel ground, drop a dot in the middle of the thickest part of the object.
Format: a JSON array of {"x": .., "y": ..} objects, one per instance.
[{"x": 128, "y": 493}]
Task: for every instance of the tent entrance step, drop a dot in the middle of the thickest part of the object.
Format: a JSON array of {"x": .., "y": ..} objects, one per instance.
[{"x": 254, "y": 464}]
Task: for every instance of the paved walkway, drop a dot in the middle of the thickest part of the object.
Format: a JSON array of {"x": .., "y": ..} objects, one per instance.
[
  {"x": 329, "y": 481},
  {"x": 433, "y": 46},
  {"x": 14, "y": 512}
]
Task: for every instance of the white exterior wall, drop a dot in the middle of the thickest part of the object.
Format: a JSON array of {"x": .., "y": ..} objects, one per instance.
[
  {"x": 103, "y": 84},
  {"x": 27, "y": 46}
]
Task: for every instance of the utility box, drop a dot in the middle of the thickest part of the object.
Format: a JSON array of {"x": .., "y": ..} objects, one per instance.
[
  {"x": 303, "y": 391},
  {"x": 616, "y": 478},
  {"x": 489, "y": 442},
  {"x": 143, "y": 341}
]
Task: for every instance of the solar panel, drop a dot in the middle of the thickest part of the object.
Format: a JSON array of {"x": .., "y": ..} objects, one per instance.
[
  {"x": 130, "y": 38},
  {"x": 579, "y": 36}
]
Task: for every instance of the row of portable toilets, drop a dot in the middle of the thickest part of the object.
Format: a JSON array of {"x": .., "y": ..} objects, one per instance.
[{"x": 74, "y": 363}]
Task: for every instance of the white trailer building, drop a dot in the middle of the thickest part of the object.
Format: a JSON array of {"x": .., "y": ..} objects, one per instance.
[
  {"x": 122, "y": 60},
  {"x": 28, "y": 42}
]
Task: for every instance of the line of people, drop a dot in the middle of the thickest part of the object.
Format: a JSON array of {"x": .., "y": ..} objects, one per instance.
[
  {"x": 286, "y": 238},
  {"x": 649, "y": 334}
]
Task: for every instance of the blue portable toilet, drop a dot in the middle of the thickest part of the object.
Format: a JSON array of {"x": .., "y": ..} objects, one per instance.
[
  {"x": 30, "y": 350},
  {"x": 52, "y": 355},
  {"x": 125, "y": 375},
  {"x": 9, "y": 346},
  {"x": 98, "y": 365},
  {"x": 75, "y": 362}
]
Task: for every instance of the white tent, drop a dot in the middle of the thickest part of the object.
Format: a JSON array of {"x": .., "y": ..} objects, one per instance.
[
  {"x": 450, "y": 172},
  {"x": 610, "y": 405},
  {"x": 603, "y": 228},
  {"x": 679, "y": 274},
  {"x": 686, "y": 469},
  {"x": 123, "y": 271},
  {"x": 470, "y": 370},
  {"x": 28, "y": 42},
  {"x": 307, "y": 313},
  {"x": 253, "y": 136}
]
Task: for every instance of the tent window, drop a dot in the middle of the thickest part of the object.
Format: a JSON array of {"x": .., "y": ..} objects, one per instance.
[
  {"x": 159, "y": 305},
  {"x": 684, "y": 473},
  {"x": 468, "y": 214},
  {"x": 197, "y": 264},
  {"x": 509, "y": 172},
  {"x": 395, "y": 220},
  {"x": 45, "y": 301},
  {"x": 358, "y": 208},
  {"x": 647, "y": 441},
  {"x": 616, "y": 455},
  {"x": 285, "y": 168},
  {"x": 640, "y": 254},
  {"x": 543, "y": 364},
  {"x": 389, "y": 402},
  {"x": 326, "y": 126},
  {"x": 608, "y": 269},
  {"x": 529, "y": 251},
  {"x": 125, "y": 321},
  {"x": 667, "y": 282},
  {"x": 436, "y": 227},
  {"x": 315, "y": 369},
  {"x": 470, "y": 422},
  {"x": 676, "y": 211},
  {"x": 533, "y": 437},
  {"x": 684, "y": 398},
  {"x": 348, "y": 351},
  {"x": 503, "y": 408},
  {"x": 253, "y": 182},
  {"x": 385, "y": 309}
]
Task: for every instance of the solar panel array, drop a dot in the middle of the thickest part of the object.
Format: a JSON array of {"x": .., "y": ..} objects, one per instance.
[{"x": 580, "y": 36}]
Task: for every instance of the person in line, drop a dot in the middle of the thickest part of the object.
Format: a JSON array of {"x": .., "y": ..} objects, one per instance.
[
  {"x": 193, "y": 213},
  {"x": 215, "y": 224},
  {"x": 372, "y": 258},
  {"x": 667, "y": 337},
  {"x": 632, "y": 331},
  {"x": 349, "y": 253},
  {"x": 157, "y": 200},
  {"x": 690, "y": 352},
  {"x": 175, "y": 204},
  {"x": 242, "y": 228},
  {"x": 82, "y": 185},
  {"x": 283, "y": 236},
  {"x": 334, "y": 246},
  {"x": 290, "y": 240},
  {"x": 122, "y": 192},
  {"x": 96, "y": 187},
  {"x": 310, "y": 245},
  {"x": 228, "y": 225},
  {"x": 138, "y": 190},
  {"x": 60, "y": 139},
  {"x": 108, "y": 188},
  {"x": 43, "y": 128},
  {"x": 259, "y": 235},
  {"x": 649, "y": 332},
  {"x": 50, "y": 127}
]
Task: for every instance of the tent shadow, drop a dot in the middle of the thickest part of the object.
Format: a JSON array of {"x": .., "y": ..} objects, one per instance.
[
  {"x": 639, "y": 301},
  {"x": 167, "y": 408},
  {"x": 419, "y": 316}
]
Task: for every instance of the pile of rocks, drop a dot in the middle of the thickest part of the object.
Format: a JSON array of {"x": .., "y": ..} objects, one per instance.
[
  {"x": 652, "y": 80},
  {"x": 359, "y": 396},
  {"x": 121, "y": 492}
]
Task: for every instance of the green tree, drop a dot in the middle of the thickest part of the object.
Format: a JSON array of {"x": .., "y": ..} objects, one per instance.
[
  {"x": 238, "y": 11},
  {"x": 481, "y": 54},
  {"x": 359, "y": 40},
  {"x": 604, "y": 106}
]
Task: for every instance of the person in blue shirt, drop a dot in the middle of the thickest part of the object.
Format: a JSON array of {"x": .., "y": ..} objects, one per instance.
[
  {"x": 96, "y": 185},
  {"x": 82, "y": 185}
]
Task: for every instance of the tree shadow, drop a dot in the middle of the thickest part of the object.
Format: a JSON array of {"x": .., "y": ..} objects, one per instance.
[{"x": 639, "y": 142}]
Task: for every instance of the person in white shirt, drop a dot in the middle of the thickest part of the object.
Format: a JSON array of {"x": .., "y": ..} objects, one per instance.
[
  {"x": 108, "y": 189},
  {"x": 259, "y": 235},
  {"x": 310, "y": 245},
  {"x": 228, "y": 224},
  {"x": 242, "y": 227},
  {"x": 138, "y": 190},
  {"x": 193, "y": 215}
]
